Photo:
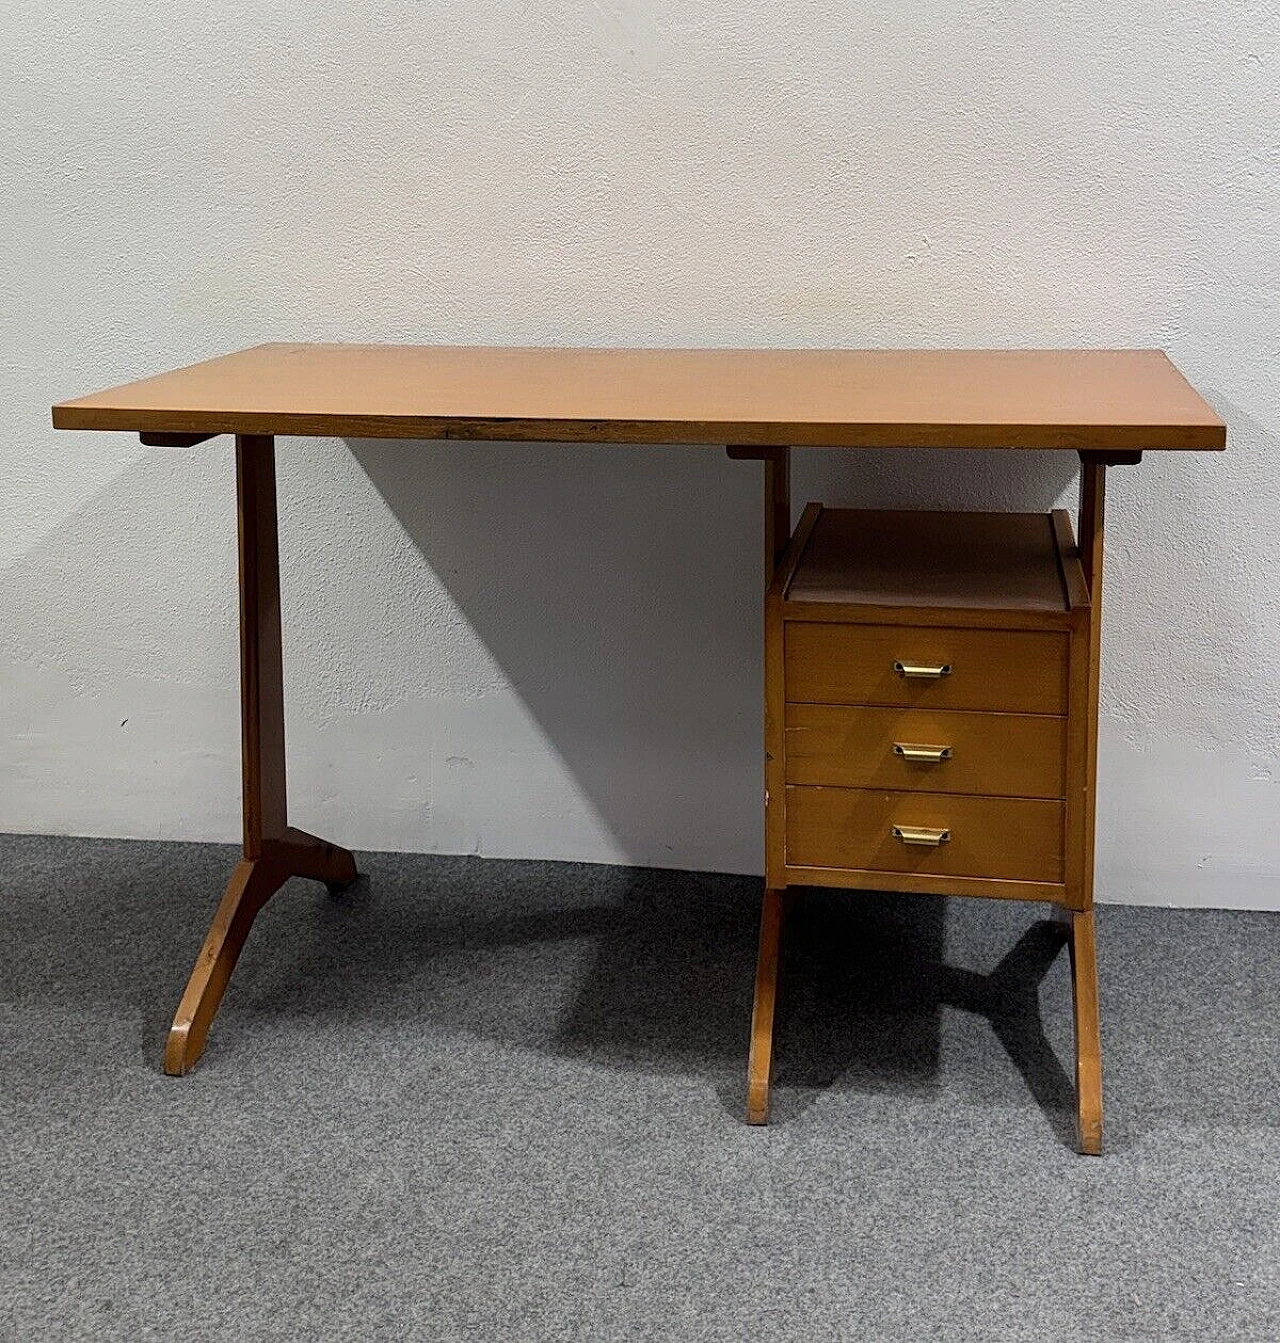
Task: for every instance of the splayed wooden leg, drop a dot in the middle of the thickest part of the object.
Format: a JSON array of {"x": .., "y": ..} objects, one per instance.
[
  {"x": 252, "y": 884},
  {"x": 760, "y": 1064},
  {"x": 273, "y": 850},
  {"x": 1084, "y": 987}
]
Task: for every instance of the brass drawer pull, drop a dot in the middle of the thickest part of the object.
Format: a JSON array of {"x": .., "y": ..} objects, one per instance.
[
  {"x": 915, "y": 834},
  {"x": 918, "y": 670},
  {"x": 931, "y": 755}
]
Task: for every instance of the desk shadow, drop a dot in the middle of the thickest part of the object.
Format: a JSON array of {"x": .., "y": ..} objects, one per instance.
[
  {"x": 865, "y": 981},
  {"x": 650, "y": 971}
]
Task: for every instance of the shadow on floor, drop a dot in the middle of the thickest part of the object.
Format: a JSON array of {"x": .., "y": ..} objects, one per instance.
[
  {"x": 865, "y": 982},
  {"x": 627, "y": 968},
  {"x": 650, "y": 971}
]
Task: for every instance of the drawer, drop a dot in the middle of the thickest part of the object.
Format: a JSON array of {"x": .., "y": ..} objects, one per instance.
[
  {"x": 1017, "y": 671},
  {"x": 1011, "y": 839},
  {"x": 999, "y": 754}
]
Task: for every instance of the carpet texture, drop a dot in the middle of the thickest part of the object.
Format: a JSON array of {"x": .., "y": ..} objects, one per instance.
[{"x": 503, "y": 1100}]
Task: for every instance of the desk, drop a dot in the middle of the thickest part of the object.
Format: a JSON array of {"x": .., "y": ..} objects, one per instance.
[{"x": 1109, "y": 406}]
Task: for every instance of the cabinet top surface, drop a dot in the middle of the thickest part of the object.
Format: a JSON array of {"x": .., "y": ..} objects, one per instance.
[{"x": 1076, "y": 399}]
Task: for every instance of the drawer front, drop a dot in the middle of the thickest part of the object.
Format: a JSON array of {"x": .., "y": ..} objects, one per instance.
[
  {"x": 1010, "y": 839},
  {"x": 1016, "y": 671},
  {"x": 941, "y": 751}
]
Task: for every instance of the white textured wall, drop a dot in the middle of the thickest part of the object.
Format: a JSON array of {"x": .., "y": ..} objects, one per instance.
[{"x": 550, "y": 651}]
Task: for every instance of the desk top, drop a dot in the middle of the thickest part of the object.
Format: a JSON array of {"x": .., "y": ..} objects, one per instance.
[{"x": 1122, "y": 400}]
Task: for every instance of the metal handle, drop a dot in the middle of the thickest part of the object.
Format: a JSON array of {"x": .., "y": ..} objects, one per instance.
[
  {"x": 927, "y": 754},
  {"x": 916, "y": 834},
  {"x": 916, "y": 669}
]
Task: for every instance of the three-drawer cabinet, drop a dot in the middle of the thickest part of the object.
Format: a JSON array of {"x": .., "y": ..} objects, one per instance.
[{"x": 928, "y": 722}]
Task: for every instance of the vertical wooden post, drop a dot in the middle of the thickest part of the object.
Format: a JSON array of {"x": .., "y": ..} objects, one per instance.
[
  {"x": 1084, "y": 979},
  {"x": 777, "y": 499},
  {"x": 261, "y": 653},
  {"x": 777, "y": 535},
  {"x": 777, "y": 508},
  {"x": 1093, "y": 502},
  {"x": 1084, "y": 968}
]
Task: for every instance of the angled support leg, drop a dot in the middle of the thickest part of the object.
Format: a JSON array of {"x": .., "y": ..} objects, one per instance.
[
  {"x": 1084, "y": 988},
  {"x": 760, "y": 1063},
  {"x": 273, "y": 850}
]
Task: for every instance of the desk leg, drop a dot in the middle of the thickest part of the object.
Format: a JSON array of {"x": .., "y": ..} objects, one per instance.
[
  {"x": 273, "y": 850},
  {"x": 1079, "y": 919},
  {"x": 760, "y": 1063},
  {"x": 777, "y": 534},
  {"x": 1084, "y": 986}
]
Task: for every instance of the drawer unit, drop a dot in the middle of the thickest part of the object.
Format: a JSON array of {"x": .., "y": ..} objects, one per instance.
[
  {"x": 932, "y": 750},
  {"x": 890, "y": 719},
  {"x": 930, "y": 693},
  {"x": 944, "y": 834},
  {"x": 1012, "y": 671}
]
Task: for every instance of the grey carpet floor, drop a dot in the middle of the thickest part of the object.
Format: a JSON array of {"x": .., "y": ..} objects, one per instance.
[{"x": 502, "y": 1100}]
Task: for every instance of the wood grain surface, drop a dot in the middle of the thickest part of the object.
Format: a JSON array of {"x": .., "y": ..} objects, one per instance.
[
  {"x": 1009, "y": 671},
  {"x": 976, "y": 561},
  {"x": 1014, "y": 839},
  {"x": 852, "y": 746}
]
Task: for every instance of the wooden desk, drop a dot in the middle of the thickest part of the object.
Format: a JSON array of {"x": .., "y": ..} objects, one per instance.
[{"x": 1109, "y": 406}]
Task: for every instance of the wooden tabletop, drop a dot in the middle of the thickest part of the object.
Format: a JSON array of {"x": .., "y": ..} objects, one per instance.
[{"x": 1126, "y": 400}]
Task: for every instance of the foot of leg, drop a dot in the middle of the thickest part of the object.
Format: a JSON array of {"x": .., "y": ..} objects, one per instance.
[
  {"x": 1084, "y": 983},
  {"x": 252, "y": 884},
  {"x": 759, "y": 1066}
]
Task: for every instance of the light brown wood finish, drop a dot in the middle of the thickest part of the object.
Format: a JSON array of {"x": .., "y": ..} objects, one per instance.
[
  {"x": 252, "y": 884},
  {"x": 1073, "y": 399},
  {"x": 1074, "y": 582},
  {"x": 775, "y": 792},
  {"x": 1084, "y": 978},
  {"x": 974, "y": 561},
  {"x": 1084, "y": 974},
  {"x": 1005, "y": 603},
  {"x": 760, "y": 1061},
  {"x": 997, "y": 838},
  {"x": 996, "y": 754},
  {"x": 923, "y": 883},
  {"x": 777, "y": 509},
  {"x": 778, "y": 546},
  {"x": 261, "y": 650},
  {"x": 273, "y": 851},
  {"x": 1006, "y": 671},
  {"x": 1109, "y": 405}
]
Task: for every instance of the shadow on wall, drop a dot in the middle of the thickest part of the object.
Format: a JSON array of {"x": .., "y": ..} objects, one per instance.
[
  {"x": 120, "y": 675},
  {"x": 617, "y": 588}
]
